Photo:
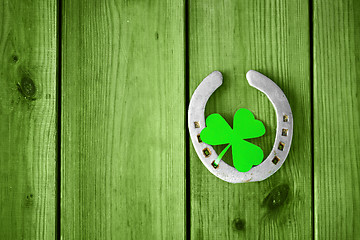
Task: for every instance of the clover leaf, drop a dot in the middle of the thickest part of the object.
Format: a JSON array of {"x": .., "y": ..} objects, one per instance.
[{"x": 218, "y": 132}]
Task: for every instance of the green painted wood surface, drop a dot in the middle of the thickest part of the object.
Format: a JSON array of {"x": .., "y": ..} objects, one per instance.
[
  {"x": 27, "y": 119},
  {"x": 123, "y": 144},
  {"x": 271, "y": 37},
  {"x": 123, "y": 129},
  {"x": 336, "y": 119}
]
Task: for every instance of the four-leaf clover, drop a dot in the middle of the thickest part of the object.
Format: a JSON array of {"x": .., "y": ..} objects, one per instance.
[{"x": 218, "y": 132}]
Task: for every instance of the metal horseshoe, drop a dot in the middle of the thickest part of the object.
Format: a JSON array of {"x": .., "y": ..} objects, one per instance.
[{"x": 284, "y": 129}]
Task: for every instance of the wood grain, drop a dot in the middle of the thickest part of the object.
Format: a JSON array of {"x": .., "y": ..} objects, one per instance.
[
  {"x": 123, "y": 135},
  {"x": 271, "y": 37},
  {"x": 336, "y": 119},
  {"x": 27, "y": 119}
]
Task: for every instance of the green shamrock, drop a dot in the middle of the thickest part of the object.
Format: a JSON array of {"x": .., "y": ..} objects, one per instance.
[{"x": 218, "y": 131}]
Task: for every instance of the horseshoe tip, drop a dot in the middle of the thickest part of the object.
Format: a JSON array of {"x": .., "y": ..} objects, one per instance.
[
  {"x": 217, "y": 74},
  {"x": 251, "y": 74}
]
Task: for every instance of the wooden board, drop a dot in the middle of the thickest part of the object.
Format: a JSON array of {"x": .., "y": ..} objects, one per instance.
[
  {"x": 336, "y": 119},
  {"x": 28, "y": 119},
  {"x": 123, "y": 101},
  {"x": 123, "y": 124},
  {"x": 271, "y": 37}
]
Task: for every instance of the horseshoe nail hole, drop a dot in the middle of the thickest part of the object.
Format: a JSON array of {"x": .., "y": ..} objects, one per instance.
[
  {"x": 284, "y": 132},
  {"x": 281, "y": 146},
  {"x": 285, "y": 118},
  {"x": 197, "y": 124},
  {"x": 275, "y": 160},
  {"x": 199, "y": 138},
  {"x": 214, "y": 164},
  {"x": 206, "y": 152}
]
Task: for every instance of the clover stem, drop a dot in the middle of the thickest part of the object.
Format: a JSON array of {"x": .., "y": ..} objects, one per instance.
[{"x": 217, "y": 161}]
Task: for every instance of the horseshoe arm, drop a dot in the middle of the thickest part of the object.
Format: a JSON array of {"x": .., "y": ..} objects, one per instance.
[{"x": 284, "y": 119}]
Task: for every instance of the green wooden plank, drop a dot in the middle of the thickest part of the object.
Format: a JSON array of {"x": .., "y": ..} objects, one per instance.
[
  {"x": 123, "y": 105},
  {"x": 27, "y": 119},
  {"x": 336, "y": 119},
  {"x": 271, "y": 37}
]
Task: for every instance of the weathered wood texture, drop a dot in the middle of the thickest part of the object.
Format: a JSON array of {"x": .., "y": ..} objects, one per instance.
[
  {"x": 271, "y": 37},
  {"x": 123, "y": 129},
  {"x": 27, "y": 119},
  {"x": 336, "y": 119}
]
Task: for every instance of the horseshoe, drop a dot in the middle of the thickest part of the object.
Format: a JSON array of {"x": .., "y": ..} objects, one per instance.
[{"x": 284, "y": 129}]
